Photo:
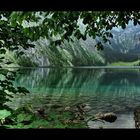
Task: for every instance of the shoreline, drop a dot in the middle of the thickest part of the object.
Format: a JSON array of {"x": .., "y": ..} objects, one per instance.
[{"x": 80, "y": 67}]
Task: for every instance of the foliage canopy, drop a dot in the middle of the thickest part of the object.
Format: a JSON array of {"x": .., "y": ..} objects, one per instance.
[{"x": 18, "y": 31}]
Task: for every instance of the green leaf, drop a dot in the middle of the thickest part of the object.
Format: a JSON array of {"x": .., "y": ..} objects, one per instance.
[
  {"x": 135, "y": 22},
  {"x": 4, "y": 113},
  {"x": 22, "y": 90},
  {"x": 15, "y": 48},
  {"x": 123, "y": 25},
  {"x": 31, "y": 45},
  {"x": 2, "y": 57},
  {"x": 20, "y": 53},
  {"x": 11, "y": 89},
  {"x": 84, "y": 37},
  {"x": 24, "y": 117},
  {"x": 2, "y": 51},
  {"x": 39, "y": 124},
  {"x": 57, "y": 42},
  {"x": 8, "y": 62},
  {"x": 111, "y": 35}
]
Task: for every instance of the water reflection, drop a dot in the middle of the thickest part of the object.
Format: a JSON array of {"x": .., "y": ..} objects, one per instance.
[
  {"x": 104, "y": 90},
  {"x": 103, "y": 82}
]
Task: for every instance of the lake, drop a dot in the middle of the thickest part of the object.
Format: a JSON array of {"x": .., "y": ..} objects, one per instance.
[{"x": 103, "y": 90}]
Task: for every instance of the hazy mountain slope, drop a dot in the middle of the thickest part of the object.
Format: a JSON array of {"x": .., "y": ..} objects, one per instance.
[{"x": 125, "y": 45}]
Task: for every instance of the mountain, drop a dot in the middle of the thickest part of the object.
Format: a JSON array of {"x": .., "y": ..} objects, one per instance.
[{"x": 125, "y": 44}]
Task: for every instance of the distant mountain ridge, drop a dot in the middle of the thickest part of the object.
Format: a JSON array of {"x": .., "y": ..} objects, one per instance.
[{"x": 125, "y": 44}]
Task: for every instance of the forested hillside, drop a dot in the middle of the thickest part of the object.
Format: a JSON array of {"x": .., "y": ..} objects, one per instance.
[{"x": 124, "y": 47}]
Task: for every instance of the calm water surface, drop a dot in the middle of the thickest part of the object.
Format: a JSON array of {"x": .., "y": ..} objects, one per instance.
[{"x": 103, "y": 90}]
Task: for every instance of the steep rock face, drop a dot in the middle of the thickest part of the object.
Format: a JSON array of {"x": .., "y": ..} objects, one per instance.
[{"x": 125, "y": 44}]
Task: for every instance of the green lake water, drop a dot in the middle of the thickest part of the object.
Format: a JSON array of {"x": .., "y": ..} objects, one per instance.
[{"x": 103, "y": 90}]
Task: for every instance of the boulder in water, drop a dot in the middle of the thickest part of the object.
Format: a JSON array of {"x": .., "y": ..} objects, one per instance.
[{"x": 109, "y": 117}]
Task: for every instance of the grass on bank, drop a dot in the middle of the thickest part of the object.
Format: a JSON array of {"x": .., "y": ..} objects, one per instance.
[{"x": 120, "y": 63}]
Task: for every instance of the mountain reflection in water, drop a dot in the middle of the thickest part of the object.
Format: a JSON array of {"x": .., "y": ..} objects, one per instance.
[{"x": 104, "y": 90}]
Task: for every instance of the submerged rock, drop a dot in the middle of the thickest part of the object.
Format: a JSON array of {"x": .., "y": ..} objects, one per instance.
[
  {"x": 41, "y": 111},
  {"x": 137, "y": 117},
  {"x": 109, "y": 117},
  {"x": 124, "y": 120}
]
